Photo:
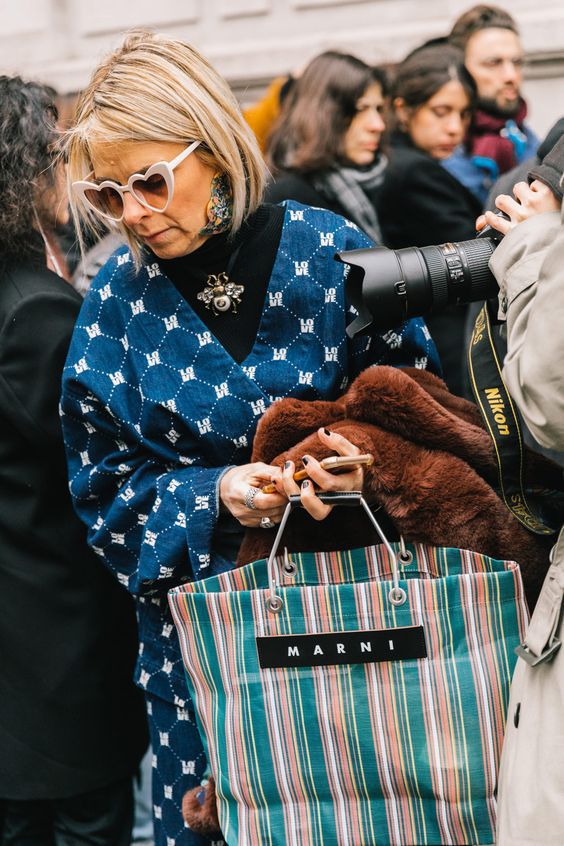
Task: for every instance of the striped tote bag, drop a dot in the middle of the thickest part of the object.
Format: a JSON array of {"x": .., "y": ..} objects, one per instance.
[{"x": 354, "y": 698}]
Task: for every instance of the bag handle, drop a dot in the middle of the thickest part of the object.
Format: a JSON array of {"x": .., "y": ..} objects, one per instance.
[{"x": 397, "y": 594}]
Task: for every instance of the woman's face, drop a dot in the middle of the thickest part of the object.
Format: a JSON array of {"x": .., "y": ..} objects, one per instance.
[
  {"x": 440, "y": 124},
  {"x": 176, "y": 232},
  {"x": 362, "y": 138}
]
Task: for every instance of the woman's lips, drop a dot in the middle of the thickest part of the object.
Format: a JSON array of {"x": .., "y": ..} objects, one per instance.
[{"x": 155, "y": 237}]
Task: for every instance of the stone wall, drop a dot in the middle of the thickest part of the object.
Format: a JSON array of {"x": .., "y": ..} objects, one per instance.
[{"x": 250, "y": 41}]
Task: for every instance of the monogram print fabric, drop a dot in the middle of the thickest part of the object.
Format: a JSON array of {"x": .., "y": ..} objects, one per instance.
[{"x": 177, "y": 765}]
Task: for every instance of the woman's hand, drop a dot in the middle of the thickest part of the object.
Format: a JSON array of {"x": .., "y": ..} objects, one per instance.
[
  {"x": 239, "y": 491},
  {"x": 351, "y": 481},
  {"x": 535, "y": 198}
]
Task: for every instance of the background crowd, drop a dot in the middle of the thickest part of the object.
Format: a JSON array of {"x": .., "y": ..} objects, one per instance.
[{"x": 410, "y": 154}]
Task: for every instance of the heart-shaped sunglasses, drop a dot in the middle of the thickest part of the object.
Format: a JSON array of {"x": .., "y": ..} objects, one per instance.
[{"x": 153, "y": 189}]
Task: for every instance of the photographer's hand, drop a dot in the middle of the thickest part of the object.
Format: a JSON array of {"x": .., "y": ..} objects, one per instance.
[{"x": 532, "y": 199}]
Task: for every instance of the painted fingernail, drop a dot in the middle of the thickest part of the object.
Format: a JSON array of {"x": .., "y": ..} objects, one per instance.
[
  {"x": 287, "y": 465},
  {"x": 305, "y": 460},
  {"x": 327, "y": 432},
  {"x": 305, "y": 484}
]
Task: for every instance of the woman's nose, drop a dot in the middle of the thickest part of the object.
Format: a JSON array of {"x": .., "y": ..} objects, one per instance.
[
  {"x": 455, "y": 125},
  {"x": 376, "y": 121},
  {"x": 133, "y": 210}
]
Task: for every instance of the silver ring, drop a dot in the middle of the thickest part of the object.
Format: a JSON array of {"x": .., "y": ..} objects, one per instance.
[
  {"x": 267, "y": 523},
  {"x": 249, "y": 498}
]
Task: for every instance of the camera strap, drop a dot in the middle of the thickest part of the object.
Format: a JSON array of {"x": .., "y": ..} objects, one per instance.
[{"x": 532, "y": 509}]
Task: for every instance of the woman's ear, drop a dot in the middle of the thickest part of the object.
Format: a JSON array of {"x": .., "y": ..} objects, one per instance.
[{"x": 402, "y": 113}]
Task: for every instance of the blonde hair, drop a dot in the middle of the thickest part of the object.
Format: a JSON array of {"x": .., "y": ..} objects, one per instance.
[{"x": 156, "y": 88}]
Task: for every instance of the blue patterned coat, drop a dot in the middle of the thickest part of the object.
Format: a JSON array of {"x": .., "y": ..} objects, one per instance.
[{"x": 155, "y": 410}]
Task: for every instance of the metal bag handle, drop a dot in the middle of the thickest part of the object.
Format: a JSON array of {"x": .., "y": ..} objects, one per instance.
[{"x": 397, "y": 594}]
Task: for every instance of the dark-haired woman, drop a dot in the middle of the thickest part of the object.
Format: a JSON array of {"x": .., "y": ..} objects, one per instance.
[
  {"x": 420, "y": 202},
  {"x": 72, "y": 728},
  {"x": 324, "y": 149}
]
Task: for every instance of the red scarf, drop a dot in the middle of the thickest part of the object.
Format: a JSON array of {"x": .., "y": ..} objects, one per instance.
[{"x": 485, "y": 139}]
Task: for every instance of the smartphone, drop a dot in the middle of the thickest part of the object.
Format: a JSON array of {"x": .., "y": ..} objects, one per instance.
[{"x": 333, "y": 464}]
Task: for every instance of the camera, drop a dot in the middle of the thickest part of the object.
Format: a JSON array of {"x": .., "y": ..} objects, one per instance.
[{"x": 387, "y": 286}]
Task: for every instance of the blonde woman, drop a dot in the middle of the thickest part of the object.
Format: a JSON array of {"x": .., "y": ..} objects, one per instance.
[{"x": 218, "y": 306}]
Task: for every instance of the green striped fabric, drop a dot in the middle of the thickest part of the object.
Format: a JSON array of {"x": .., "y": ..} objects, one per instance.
[{"x": 397, "y": 753}]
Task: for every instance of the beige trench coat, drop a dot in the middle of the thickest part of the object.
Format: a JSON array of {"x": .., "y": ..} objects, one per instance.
[{"x": 529, "y": 265}]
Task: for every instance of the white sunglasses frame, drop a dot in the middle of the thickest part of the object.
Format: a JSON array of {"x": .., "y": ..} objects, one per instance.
[{"x": 165, "y": 169}]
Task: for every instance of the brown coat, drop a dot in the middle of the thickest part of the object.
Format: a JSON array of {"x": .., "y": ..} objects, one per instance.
[{"x": 433, "y": 472}]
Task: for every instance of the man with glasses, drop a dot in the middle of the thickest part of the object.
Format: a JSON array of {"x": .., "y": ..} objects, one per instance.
[{"x": 499, "y": 138}]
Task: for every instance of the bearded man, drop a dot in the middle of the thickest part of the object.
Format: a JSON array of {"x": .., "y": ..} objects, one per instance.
[{"x": 499, "y": 138}]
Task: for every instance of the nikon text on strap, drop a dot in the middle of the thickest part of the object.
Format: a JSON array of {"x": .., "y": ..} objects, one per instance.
[{"x": 503, "y": 425}]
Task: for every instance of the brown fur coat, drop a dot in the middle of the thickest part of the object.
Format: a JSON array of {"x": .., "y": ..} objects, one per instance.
[{"x": 433, "y": 471}]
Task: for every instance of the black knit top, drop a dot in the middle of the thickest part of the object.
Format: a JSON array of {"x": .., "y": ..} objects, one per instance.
[{"x": 248, "y": 258}]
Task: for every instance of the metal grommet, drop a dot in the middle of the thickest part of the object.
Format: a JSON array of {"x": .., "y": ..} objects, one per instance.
[
  {"x": 397, "y": 596},
  {"x": 289, "y": 567},
  {"x": 275, "y": 604},
  {"x": 405, "y": 556}
]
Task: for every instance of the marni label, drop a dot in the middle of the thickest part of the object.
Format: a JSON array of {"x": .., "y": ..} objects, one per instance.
[{"x": 356, "y": 647}]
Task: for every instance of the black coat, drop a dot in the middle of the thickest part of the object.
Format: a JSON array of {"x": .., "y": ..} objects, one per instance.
[
  {"x": 70, "y": 718},
  {"x": 301, "y": 187},
  {"x": 291, "y": 185},
  {"x": 420, "y": 204}
]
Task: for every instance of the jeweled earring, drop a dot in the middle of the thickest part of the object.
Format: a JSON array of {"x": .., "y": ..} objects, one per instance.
[{"x": 220, "y": 207}]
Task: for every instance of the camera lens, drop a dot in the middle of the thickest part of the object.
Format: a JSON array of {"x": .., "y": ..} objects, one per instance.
[
  {"x": 460, "y": 272},
  {"x": 387, "y": 287}
]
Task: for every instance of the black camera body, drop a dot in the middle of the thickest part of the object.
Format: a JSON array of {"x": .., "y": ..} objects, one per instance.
[{"x": 387, "y": 287}]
